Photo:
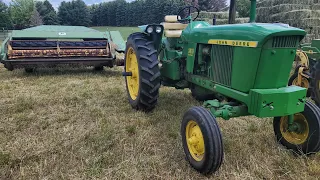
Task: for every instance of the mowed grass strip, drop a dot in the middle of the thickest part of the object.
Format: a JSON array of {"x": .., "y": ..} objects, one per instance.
[{"x": 75, "y": 123}]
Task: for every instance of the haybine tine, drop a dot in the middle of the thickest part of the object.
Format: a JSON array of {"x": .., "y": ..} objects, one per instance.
[{"x": 16, "y": 54}]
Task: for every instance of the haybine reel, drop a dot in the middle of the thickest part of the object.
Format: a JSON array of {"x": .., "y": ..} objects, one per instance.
[
  {"x": 48, "y": 46},
  {"x": 307, "y": 70},
  {"x": 237, "y": 70}
]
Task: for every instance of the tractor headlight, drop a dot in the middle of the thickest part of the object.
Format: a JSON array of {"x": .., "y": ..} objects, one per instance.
[
  {"x": 150, "y": 30},
  {"x": 158, "y": 29}
]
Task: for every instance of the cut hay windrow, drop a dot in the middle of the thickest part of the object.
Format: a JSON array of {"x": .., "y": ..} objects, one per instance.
[
  {"x": 313, "y": 30},
  {"x": 295, "y": 14},
  {"x": 309, "y": 38},
  {"x": 303, "y": 23},
  {"x": 268, "y": 3},
  {"x": 210, "y": 15},
  {"x": 286, "y": 8},
  {"x": 226, "y": 21},
  {"x": 315, "y": 6}
]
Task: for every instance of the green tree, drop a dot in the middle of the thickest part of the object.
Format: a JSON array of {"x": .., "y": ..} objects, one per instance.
[
  {"x": 243, "y": 8},
  {"x": 74, "y": 13},
  {"x": 5, "y": 20},
  {"x": 47, "y": 12},
  {"x": 138, "y": 12},
  {"x": 121, "y": 12},
  {"x": 21, "y": 12},
  {"x": 212, "y": 5},
  {"x": 35, "y": 19}
]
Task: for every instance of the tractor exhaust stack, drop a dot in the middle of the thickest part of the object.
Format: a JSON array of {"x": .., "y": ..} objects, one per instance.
[{"x": 253, "y": 11}]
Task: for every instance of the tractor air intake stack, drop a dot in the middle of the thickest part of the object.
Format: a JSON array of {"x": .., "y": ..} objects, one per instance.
[
  {"x": 253, "y": 11},
  {"x": 232, "y": 12}
]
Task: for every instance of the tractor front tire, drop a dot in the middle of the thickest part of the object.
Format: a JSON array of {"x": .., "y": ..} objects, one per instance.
[
  {"x": 141, "y": 61},
  {"x": 202, "y": 140},
  {"x": 305, "y": 140}
]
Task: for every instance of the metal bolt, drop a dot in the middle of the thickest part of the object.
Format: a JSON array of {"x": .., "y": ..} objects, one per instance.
[{"x": 271, "y": 108}]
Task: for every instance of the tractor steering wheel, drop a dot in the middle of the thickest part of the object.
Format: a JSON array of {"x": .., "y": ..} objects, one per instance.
[{"x": 188, "y": 18}]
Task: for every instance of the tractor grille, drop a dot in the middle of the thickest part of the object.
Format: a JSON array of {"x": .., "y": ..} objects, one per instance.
[
  {"x": 285, "y": 41},
  {"x": 222, "y": 57}
]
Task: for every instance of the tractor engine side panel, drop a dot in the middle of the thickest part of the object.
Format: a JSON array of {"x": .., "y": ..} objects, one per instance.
[
  {"x": 245, "y": 64},
  {"x": 276, "y": 61}
]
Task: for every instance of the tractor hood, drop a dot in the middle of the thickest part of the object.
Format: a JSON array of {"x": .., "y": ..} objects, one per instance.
[{"x": 255, "y": 32}]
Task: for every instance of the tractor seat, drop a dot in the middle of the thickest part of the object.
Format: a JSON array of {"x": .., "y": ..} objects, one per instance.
[{"x": 172, "y": 28}]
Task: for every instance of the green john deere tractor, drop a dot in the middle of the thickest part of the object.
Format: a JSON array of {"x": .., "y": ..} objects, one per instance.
[{"x": 236, "y": 69}]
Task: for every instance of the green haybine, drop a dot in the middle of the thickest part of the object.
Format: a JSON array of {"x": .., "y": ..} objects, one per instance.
[
  {"x": 307, "y": 70},
  {"x": 237, "y": 70},
  {"x": 51, "y": 45}
]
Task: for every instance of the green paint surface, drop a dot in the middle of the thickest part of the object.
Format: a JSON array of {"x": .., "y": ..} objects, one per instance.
[{"x": 261, "y": 32}]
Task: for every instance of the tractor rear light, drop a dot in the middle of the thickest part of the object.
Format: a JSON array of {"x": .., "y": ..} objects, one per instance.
[
  {"x": 158, "y": 29},
  {"x": 150, "y": 30}
]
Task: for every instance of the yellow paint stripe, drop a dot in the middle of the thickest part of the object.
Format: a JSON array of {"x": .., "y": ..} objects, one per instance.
[{"x": 233, "y": 43}]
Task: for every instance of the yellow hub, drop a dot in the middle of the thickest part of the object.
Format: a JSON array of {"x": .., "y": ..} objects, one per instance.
[
  {"x": 195, "y": 140},
  {"x": 304, "y": 82},
  {"x": 296, "y": 138},
  {"x": 132, "y": 66}
]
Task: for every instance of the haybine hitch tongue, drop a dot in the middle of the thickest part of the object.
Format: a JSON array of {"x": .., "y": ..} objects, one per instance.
[{"x": 126, "y": 74}]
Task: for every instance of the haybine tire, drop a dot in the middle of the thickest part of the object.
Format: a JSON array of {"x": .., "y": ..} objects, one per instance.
[
  {"x": 315, "y": 83},
  {"x": 98, "y": 68},
  {"x": 307, "y": 141},
  {"x": 202, "y": 140},
  {"x": 29, "y": 70},
  {"x": 294, "y": 78},
  {"x": 141, "y": 60}
]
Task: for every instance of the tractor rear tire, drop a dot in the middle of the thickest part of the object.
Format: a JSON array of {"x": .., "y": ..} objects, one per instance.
[
  {"x": 307, "y": 140},
  {"x": 305, "y": 82},
  {"x": 202, "y": 140},
  {"x": 315, "y": 83},
  {"x": 142, "y": 61}
]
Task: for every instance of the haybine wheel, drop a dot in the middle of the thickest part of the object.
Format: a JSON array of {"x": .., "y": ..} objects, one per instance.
[
  {"x": 315, "y": 83},
  {"x": 305, "y": 82},
  {"x": 306, "y": 138},
  {"x": 202, "y": 140},
  {"x": 143, "y": 83}
]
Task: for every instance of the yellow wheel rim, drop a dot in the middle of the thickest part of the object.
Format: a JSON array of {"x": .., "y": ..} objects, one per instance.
[
  {"x": 296, "y": 138},
  {"x": 195, "y": 140},
  {"x": 132, "y": 66},
  {"x": 304, "y": 82}
]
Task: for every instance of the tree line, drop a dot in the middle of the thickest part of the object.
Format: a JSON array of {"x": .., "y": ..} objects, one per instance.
[{"x": 25, "y": 13}]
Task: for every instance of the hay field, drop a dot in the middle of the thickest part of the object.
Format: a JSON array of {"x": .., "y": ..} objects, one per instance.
[{"x": 75, "y": 123}]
